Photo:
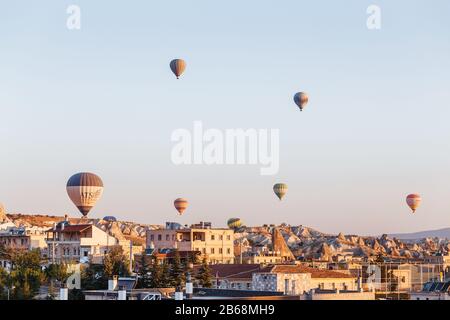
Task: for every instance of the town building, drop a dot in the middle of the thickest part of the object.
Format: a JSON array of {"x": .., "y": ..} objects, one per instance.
[
  {"x": 215, "y": 244},
  {"x": 286, "y": 278},
  {"x": 263, "y": 258},
  {"x": 436, "y": 290},
  {"x": 20, "y": 238},
  {"x": 440, "y": 259},
  {"x": 78, "y": 243}
]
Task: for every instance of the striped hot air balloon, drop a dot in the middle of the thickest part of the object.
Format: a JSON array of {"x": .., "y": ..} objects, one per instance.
[
  {"x": 234, "y": 223},
  {"x": 280, "y": 190},
  {"x": 301, "y": 100},
  {"x": 178, "y": 66},
  {"x": 181, "y": 205},
  {"x": 84, "y": 189},
  {"x": 413, "y": 201}
]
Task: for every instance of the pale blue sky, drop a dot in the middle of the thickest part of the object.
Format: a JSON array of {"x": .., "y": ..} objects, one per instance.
[{"x": 103, "y": 99}]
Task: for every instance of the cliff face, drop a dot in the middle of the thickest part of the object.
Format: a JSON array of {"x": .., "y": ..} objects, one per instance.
[
  {"x": 122, "y": 230},
  {"x": 309, "y": 243},
  {"x": 3, "y": 217}
]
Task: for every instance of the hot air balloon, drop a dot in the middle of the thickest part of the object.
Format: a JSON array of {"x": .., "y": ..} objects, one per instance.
[
  {"x": 110, "y": 218},
  {"x": 413, "y": 201},
  {"x": 280, "y": 190},
  {"x": 84, "y": 189},
  {"x": 301, "y": 99},
  {"x": 178, "y": 66},
  {"x": 181, "y": 205},
  {"x": 234, "y": 223}
]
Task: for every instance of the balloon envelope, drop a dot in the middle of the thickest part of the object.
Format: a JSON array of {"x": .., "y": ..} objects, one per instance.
[
  {"x": 301, "y": 100},
  {"x": 280, "y": 190},
  {"x": 178, "y": 66},
  {"x": 84, "y": 189},
  {"x": 181, "y": 205},
  {"x": 234, "y": 223},
  {"x": 110, "y": 218},
  {"x": 413, "y": 201}
]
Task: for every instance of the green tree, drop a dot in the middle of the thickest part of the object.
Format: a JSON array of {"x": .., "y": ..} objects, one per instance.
[
  {"x": 94, "y": 278},
  {"x": 204, "y": 275},
  {"x": 156, "y": 278},
  {"x": 116, "y": 263},
  {"x": 56, "y": 274},
  {"x": 26, "y": 274},
  {"x": 4, "y": 283},
  {"x": 165, "y": 276},
  {"x": 144, "y": 274},
  {"x": 176, "y": 274}
]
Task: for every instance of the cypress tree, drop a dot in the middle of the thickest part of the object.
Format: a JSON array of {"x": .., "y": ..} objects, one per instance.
[{"x": 204, "y": 275}]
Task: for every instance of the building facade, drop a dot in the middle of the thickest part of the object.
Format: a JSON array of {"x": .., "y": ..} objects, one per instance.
[
  {"x": 77, "y": 243},
  {"x": 216, "y": 245}
]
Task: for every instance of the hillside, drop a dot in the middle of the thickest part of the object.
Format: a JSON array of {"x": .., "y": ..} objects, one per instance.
[{"x": 440, "y": 233}]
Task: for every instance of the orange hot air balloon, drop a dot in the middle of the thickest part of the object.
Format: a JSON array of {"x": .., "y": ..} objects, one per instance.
[
  {"x": 177, "y": 66},
  {"x": 413, "y": 201},
  {"x": 181, "y": 205}
]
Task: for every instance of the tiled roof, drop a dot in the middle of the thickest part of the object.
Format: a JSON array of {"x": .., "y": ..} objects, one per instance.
[
  {"x": 232, "y": 271},
  {"x": 71, "y": 228},
  {"x": 245, "y": 271},
  {"x": 315, "y": 273}
]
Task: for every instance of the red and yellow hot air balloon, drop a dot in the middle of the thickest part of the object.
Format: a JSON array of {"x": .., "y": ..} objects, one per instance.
[
  {"x": 413, "y": 201},
  {"x": 177, "y": 66},
  {"x": 180, "y": 204}
]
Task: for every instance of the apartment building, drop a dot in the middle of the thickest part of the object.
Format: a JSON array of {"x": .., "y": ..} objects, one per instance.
[
  {"x": 22, "y": 239},
  {"x": 77, "y": 243},
  {"x": 215, "y": 244},
  {"x": 288, "y": 279}
]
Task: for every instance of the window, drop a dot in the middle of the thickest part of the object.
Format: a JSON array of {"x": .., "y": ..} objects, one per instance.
[
  {"x": 74, "y": 251},
  {"x": 228, "y": 251},
  {"x": 286, "y": 286},
  {"x": 221, "y": 237},
  {"x": 152, "y": 237},
  {"x": 204, "y": 250},
  {"x": 167, "y": 237},
  {"x": 228, "y": 237},
  {"x": 85, "y": 253},
  {"x": 159, "y": 237},
  {"x": 220, "y": 250},
  {"x": 212, "y": 250},
  {"x": 213, "y": 237}
]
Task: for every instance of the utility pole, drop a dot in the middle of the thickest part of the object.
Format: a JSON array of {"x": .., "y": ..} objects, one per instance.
[
  {"x": 240, "y": 250},
  {"x": 131, "y": 256}
]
